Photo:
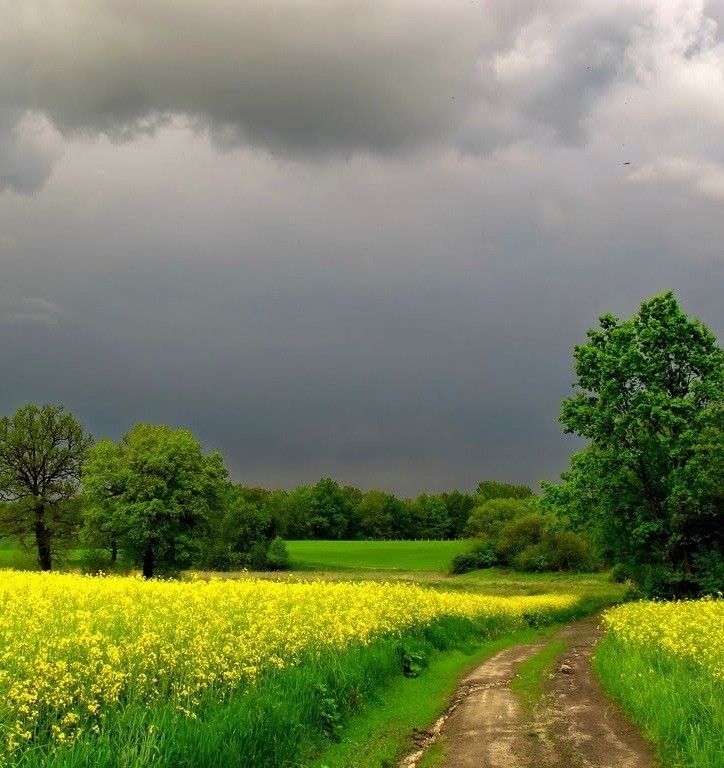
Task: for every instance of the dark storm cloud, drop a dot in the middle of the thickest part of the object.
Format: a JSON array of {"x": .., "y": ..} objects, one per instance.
[
  {"x": 317, "y": 77},
  {"x": 314, "y": 76},
  {"x": 389, "y": 292}
]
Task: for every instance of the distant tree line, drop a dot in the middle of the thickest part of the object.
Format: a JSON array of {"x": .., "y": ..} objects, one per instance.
[
  {"x": 647, "y": 491},
  {"x": 156, "y": 499}
]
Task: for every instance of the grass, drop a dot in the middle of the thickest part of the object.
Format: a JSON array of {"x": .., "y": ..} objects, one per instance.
[
  {"x": 534, "y": 672},
  {"x": 379, "y": 735},
  {"x": 375, "y": 555},
  {"x": 677, "y": 705}
]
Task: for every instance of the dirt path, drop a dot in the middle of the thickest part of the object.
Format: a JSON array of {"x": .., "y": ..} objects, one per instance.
[{"x": 573, "y": 726}]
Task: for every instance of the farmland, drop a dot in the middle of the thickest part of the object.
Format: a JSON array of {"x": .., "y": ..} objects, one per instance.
[
  {"x": 375, "y": 555},
  {"x": 224, "y": 672}
]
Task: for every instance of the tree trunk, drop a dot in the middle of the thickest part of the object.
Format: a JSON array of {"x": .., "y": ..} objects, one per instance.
[
  {"x": 42, "y": 538},
  {"x": 114, "y": 553},
  {"x": 148, "y": 563}
]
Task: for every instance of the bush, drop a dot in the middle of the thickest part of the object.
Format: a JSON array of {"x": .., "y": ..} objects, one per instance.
[
  {"x": 520, "y": 534},
  {"x": 710, "y": 572},
  {"x": 536, "y": 557},
  {"x": 621, "y": 573},
  {"x": 482, "y": 555},
  {"x": 256, "y": 558},
  {"x": 569, "y": 552},
  {"x": 277, "y": 557},
  {"x": 490, "y": 518}
]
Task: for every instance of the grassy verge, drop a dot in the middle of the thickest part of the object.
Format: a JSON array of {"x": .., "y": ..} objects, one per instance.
[
  {"x": 533, "y": 673},
  {"x": 678, "y": 706},
  {"x": 380, "y": 733}
]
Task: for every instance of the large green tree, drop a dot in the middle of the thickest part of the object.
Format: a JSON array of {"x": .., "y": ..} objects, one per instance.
[
  {"x": 42, "y": 451},
  {"x": 154, "y": 492},
  {"x": 650, "y": 401}
]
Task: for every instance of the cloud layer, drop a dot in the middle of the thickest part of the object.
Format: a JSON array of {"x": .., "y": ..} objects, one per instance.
[{"x": 355, "y": 238}]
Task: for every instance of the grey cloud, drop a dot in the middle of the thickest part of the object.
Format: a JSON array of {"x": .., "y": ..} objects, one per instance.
[
  {"x": 312, "y": 76},
  {"x": 28, "y": 310},
  {"x": 320, "y": 77},
  {"x": 704, "y": 179},
  {"x": 28, "y": 151},
  {"x": 400, "y": 315}
]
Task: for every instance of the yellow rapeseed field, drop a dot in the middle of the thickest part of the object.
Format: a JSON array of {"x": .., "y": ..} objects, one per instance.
[
  {"x": 74, "y": 648},
  {"x": 689, "y": 630}
]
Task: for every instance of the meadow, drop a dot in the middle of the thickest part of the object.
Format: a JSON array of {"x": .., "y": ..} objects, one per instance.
[
  {"x": 664, "y": 662},
  {"x": 428, "y": 556},
  {"x": 117, "y": 672}
]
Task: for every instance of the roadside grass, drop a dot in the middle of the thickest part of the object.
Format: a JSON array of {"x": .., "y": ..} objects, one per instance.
[
  {"x": 677, "y": 705},
  {"x": 380, "y": 734},
  {"x": 375, "y": 555},
  {"x": 534, "y": 672}
]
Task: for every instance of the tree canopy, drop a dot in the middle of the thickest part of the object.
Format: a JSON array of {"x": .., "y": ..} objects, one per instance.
[
  {"x": 650, "y": 400},
  {"x": 153, "y": 490},
  {"x": 42, "y": 451}
]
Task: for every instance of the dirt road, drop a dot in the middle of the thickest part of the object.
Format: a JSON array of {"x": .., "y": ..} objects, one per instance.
[{"x": 573, "y": 726}]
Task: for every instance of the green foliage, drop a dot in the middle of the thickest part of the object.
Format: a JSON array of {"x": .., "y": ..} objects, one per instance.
[
  {"x": 483, "y": 554},
  {"x": 491, "y": 489},
  {"x": 492, "y": 516},
  {"x": 515, "y": 535},
  {"x": 42, "y": 452},
  {"x": 649, "y": 488},
  {"x": 413, "y": 653},
  {"x": 237, "y": 532},
  {"x": 459, "y": 506},
  {"x": 277, "y": 556},
  {"x": 521, "y": 533},
  {"x": 156, "y": 491},
  {"x": 439, "y": 524},
  {"x": 621, "y": 573},
  {"x": 376, "y": 515}
]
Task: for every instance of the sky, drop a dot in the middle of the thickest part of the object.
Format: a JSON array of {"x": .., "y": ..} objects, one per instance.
[{"x": 349, "y": 238}]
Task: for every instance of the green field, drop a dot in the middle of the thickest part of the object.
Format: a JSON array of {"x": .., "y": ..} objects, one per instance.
[{"x": 374, "y": 555}]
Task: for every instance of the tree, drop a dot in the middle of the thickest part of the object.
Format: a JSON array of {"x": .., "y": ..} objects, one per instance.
[
  {"x": 490, "y": 518},
  {"x": 42, "y": 451},
  {"x": 157, "y": 490},
  {"x": 459, "y": 506},
  {"x": 438, "y": 519},
  {"x": 376, "y": 515},
  {"x": 329, "y": 510},
  {"x": 650, "y": 401},
  {"x": 492, "y": 489}
]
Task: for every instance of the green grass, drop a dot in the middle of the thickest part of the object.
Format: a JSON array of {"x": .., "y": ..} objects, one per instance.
[
  {"x": 678, "y": 706},
  {"x": 534, "y": 672},
  {"x": 382, "y": 555},
  {"x": 380, "y": 734}
]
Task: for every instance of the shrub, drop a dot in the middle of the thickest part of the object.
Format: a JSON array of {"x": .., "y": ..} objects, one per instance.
[
  {"x": 482, "y": 555},
  {"x": 520, "y": 534},
  {"x": 536, "y": 557},
  {"x": 569, "y": 552},
  {"x": 490, "y": 518},
  {"x": 621, "y": 573},
  {"x": 277, "y": 557}
]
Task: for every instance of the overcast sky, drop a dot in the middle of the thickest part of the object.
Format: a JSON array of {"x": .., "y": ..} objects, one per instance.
[{"x": 355, "y": 238}]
